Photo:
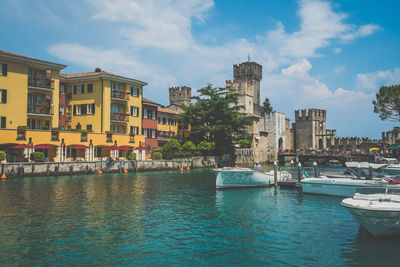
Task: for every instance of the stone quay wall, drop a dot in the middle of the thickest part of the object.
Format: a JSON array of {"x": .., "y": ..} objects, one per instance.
[{"x": 31, "y": 169}]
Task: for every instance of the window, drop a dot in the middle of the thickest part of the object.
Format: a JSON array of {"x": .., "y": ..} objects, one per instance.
[
  {"x": 115, "y": 87},
  {"x": 134, "y": 111},
  {"x": 90, "y": 88},
  {"x": 145, "y": 115},
  {"x": 89, "y": 127},
  {"x": 79, "y": 89},
  {"x": 3, "y": 96},
  {"x": 62, "y": 88},
  {"x": 3, "y": 69},
  {"x": 159, "y": 120},
  {"x": 62, "y": 109},
  {"x": 90, "y": 109},
  {"x": 116, "y": 129},
  {"x": 69, "y": 89},
  {"x": 153, "y": 114},
  {"x": 78, "y": 110},
  {"x": 34, "y": 124},
  {"x": 35, "y": 77},
  {"x": 135, "y": 92},
  {"x": 134, "y": 130},
  {"x": 173, "y": 122},
  {"x": 164, "y": 120},
  {"x": 145, "y": 132},
  {"x": 153, "y": 133},
  {"x": 2, "y": 122}
]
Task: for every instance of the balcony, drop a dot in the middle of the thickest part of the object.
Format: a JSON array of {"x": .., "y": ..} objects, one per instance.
[
  {"x": 119, "y": 96},
  {"x": 38, "y": 109},
  {"x": 41, "y": 85},
  {"x": 119, "y": 117}
]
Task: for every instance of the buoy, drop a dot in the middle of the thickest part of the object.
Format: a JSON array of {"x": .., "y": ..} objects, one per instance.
[
  {"x": 181, "y": 169},
  {"x": 188, "y": 168},
  {"x": 235, "y": 165},
  {"x": 216, "y": 166},
  {"x": 3, "y": 176},
  {"x": 125, "y": 171},
  {"x": 99, "y": 172}
]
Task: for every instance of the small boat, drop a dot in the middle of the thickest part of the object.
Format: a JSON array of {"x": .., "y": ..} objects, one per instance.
[
  {"x": 342, "y": 187},
  {"x": 348, "y": 173},
  {"x": 393, "y": 169},
  {"x": 229, "y": 177},
  {"x": 376, "y": 209}
]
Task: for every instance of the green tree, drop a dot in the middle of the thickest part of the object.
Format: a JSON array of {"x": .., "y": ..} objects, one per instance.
[
  {"x": 132, "y": 156},
  {"x": 189, "y": 146},
  {"x": 387, "y": 103},
  {"x": 266, "y": 107},
  {"x": 3, "y": 155},
  {"x": 205, "y": 147},
  {"x": 214, "y": 117},
  {"x": 171, "y": 146}
]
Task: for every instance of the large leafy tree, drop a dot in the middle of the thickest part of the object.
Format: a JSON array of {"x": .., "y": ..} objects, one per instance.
[
  {"x": 266, "y": 107},
  {"x": 387, "y": 103},
  {"x": 214, "y": 117}
]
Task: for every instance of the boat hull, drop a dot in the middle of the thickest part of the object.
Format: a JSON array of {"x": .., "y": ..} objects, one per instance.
[
  {"x": 332, "y": 188},
  {"x": 242, "y": 178},
  {"x": 376, "y": 222}
]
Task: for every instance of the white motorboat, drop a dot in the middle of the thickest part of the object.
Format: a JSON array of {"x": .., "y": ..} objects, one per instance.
[
  {"x": 230, "y": 177},
  {"x": 342, "y": 187},
  {"x": 376, "y": 209},
  {"x": 393, "y": 169}
]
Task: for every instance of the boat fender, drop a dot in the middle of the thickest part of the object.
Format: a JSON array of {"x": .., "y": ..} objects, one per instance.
[{"x": 99, "y": 172}]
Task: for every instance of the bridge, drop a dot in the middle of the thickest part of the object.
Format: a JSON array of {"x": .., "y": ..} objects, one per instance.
[{"x": 324, "y": 156}]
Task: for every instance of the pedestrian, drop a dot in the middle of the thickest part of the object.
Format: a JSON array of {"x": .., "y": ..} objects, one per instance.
[{"x": 257, "y": 166}]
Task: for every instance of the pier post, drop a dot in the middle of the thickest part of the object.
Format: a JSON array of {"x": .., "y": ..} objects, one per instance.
[
  {"x": 315, "y": 169},
  {"x": 299, "y": 172},
  {"x": 275, "y": 174}
]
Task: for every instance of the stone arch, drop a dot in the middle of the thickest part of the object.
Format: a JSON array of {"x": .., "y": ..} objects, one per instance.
[
  {"x": 280, "y": 143},
  {"x": 320, "y": 144}
]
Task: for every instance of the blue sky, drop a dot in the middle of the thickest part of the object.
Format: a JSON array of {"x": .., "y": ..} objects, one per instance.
[{"x": 315, "y": 54}]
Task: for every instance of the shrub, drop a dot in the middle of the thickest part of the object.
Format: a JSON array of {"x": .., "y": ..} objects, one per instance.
[
  {"x": 244, "y": 143},
  {"x": 156, "y": 155},
  {"x": 37, "y": 156},
  {"x": 2, "y": 155},
  {"x": 171, "y": 147},
  {"x": 178, "y": 154},
  {"x": 157, "y": 150},
  {"x": 205, "y": 148},
  {"x": 189, "y": 146},
  {"x": 132, "y": 156}
]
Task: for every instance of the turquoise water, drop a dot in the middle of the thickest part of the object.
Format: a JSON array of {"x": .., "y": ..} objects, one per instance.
[{"x": 164, "y": 218}]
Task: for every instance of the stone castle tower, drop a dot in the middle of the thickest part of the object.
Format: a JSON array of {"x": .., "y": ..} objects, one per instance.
[
  {"x": 250, "y": 71},
  {"x": 310, "y": 129},
  {"x": 180, "y": 95}
]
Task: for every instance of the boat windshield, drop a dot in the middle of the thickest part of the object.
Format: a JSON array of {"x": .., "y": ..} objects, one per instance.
[{"x": 378, "y": 190}]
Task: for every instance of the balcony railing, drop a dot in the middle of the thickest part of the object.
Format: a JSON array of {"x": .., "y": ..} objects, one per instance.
[
  {"x": 37, "y": 109},
  {"x": 120, "y": 117},
  {"x": 117, "y": 95},
  {"x": 41, "y": 84}
]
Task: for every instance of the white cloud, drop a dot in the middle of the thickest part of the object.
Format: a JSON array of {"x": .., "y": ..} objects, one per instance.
[
  {"x": 362, "y": 31},
  {"x": 372, "y": 81},
  {"x": 301, "y": 67},
  {"x": 339, "y": 69},
  {"x": 337, "y": 50}
]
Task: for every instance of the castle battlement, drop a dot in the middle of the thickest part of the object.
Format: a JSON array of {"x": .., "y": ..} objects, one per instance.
[
  {"x": 180, "y": 95},
  {"x": 247, "y": 70},
  {"x": 310, "y": 115}
]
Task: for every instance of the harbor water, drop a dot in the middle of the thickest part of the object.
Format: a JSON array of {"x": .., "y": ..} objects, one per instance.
[{"x": 165, "y": 218}]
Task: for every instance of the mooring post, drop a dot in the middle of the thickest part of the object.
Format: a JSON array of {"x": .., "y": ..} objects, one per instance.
[
  {"x": 369, "y": 172},
  {"x": 275, "y": 174},
  {"x": 358, "y": 170},
  {"x": 315, "y": 169},
  {"x": 299, "y": 172}
]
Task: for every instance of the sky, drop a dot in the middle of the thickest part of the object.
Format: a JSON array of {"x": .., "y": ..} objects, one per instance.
[{"x": 332, "y": 55}]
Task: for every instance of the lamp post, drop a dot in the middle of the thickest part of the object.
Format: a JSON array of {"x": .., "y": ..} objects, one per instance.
[
  {"x": 275, "y": 174},
  {"x": 315, "y": 169}
]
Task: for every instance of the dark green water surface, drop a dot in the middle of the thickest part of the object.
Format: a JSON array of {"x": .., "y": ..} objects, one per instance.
[{"x": 165, "y": 218}]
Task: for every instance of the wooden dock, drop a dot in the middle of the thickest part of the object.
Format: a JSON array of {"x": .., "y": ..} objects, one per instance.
[{"x": 289, "y": 183}]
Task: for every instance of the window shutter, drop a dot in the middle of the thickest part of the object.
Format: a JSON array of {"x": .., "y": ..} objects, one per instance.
[
  {"x": 131, "y": 111},
  {"x": 137, "y": 112},
  {"x": 137, "y": 92},
  {"x": 132, "y": 91},
  {"x": 4, "y": 96},
  {"x": 74, "y": 89},
  {"x": 3, "y": 122},
  {"x": 4, "y": 70},
  {"x": 90, "y": 88},
  {"x": 92, "y": 108},
  {"x": 83, "y": 109},
  {"x": 83, "y": 88},
  {"x": 74, "y": 110}
]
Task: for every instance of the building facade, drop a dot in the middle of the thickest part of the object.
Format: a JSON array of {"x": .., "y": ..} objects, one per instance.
[
  {"x": 149, "y": 129},
  {"x": 167, "y": 125},
  {"x": 310, "y": 129}
]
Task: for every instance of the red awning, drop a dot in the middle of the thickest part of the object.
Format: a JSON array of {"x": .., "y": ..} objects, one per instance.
[
  {"x": 125, "y": 148},
  {"x": 170, "y": 132},
  {"x": 44, "y": 147},
  {"x": 141, "y": 148},
  {"x": 79, "y": 147},
  {"x": 111, "y": 148},
  {"x": 22, "y": 146}
]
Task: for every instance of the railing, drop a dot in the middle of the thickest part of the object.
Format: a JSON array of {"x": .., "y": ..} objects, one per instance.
[
  {"x": 41, "y": 84},
  {"x": 34, "y": 109},
  {"x": 119, "y": 117},
  {"x": 119, "y": 95}
]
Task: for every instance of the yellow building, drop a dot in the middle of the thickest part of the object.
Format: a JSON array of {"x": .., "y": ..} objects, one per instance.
[
  {"x": 29, "y": 92},
  {"x": 39, "y": 108},
  {"x": 167, "y": 125}
]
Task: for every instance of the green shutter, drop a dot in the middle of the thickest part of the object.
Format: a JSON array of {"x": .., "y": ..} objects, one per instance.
[{"x": 4, "y": 96}]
